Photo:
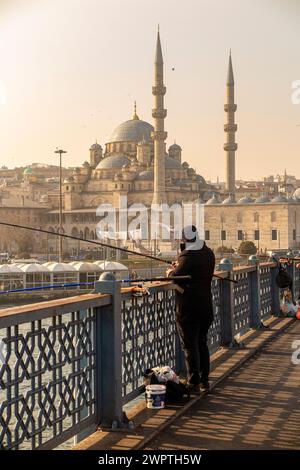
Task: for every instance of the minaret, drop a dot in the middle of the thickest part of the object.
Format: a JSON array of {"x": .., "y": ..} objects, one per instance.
[
  {"x": 230, "y": 128},
  {"x": 159, "y": 135}
]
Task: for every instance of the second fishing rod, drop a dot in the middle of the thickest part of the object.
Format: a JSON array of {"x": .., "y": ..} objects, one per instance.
[{"x": 102, "y": 244}]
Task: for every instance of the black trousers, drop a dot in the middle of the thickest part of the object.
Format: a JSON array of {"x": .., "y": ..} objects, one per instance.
[{"x": 193, "y": 339}]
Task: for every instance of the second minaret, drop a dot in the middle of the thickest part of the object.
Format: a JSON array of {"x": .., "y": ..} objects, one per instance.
[
  {"x": 159, "y": 135},
  {"x": 230, "y": 128}
]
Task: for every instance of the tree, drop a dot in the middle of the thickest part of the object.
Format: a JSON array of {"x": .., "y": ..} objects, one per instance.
[
  {"x": 224, "y": 249},
  {"x": 247, "y": 248}
]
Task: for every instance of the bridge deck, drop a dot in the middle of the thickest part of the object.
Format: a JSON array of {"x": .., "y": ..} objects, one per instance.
[{"x": 256, "y": 407}]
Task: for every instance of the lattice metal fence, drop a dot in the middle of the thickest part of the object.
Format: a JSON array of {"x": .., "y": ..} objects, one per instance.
[
  {"x": 148, "y": 335},
  {"x": 265, "y": 291},
  {"x": 214, "y": 334},
  {"x": 242, "y": 304},
  {"x": 50, "y": 388},
  {"x": 47, "y": 380}
]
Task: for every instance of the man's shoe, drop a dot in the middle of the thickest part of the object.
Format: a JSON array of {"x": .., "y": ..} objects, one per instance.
[{"x": 204, "y": 386}]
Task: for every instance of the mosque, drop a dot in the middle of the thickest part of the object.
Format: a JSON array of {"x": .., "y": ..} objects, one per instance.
[{"x": 135, "y": 163}]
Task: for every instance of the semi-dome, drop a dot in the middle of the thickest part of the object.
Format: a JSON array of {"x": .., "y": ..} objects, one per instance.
[
  {"x": 262, "y": 199},
  {"x": 213, "y": 200},
  {"x": 172, "y": 164},
  {"x": 134, "y": 130},
  {"x": 245, "y": 200},
  {"x": 279, "y": 198},
  {"x": 229, "y": 200},
  {"x": 296, "y": 194},
  {"x": 113, "y": 161},
  {"x": 145, "y": 175},
  {"x": 200, "y": 179}
]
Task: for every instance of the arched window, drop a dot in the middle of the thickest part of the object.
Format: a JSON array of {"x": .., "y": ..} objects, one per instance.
[
  {"x": 256, "y": 217},
  {"x": 273, "y": 216},
  {"x": 239, "y": 218},
  {"x": 74, "y": 232}
]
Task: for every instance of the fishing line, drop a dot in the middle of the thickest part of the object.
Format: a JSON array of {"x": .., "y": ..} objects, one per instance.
[{"x": 105, "y": 245}]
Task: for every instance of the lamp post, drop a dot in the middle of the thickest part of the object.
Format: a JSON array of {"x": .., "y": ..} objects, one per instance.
[{"x": 60, "y": 152}]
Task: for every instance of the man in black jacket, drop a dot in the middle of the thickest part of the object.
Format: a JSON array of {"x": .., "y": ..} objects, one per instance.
[{"x": 194, "y": 309}]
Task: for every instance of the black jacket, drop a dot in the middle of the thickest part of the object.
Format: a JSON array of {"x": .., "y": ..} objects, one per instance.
[{"x": 194, "y": 305}]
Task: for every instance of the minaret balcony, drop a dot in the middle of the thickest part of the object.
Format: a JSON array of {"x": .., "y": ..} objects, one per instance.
[
  {"x": 230, "y": 147},
  {"x": 159, "y": 135},
  {"x": 230, "y": 127},
  {"x": 159, "y": 90},
  {"x": 230, "y": 107},
  {"x": 159, "y": 113}
]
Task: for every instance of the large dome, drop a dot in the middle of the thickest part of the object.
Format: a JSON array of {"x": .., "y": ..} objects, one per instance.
[{"x": 134, "y": 130}]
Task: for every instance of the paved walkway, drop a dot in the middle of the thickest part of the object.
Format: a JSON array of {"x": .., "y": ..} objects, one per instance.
[{"x": 257, "y": 407}]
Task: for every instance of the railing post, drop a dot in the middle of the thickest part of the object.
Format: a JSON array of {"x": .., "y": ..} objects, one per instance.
[
  {"x": 227, "y": 306},
  {"x": 255, "y": 292},
  {"x": 274, "y": 292},
  {"x": 109, "y": 354}
]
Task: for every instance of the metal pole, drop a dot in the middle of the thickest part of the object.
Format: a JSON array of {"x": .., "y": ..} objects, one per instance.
[{"x": 60, "y": 152}]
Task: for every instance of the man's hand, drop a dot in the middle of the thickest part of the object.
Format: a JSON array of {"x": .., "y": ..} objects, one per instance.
[
  {"x": 169, "y": 272},
  {"x": 171, "y": 269}
]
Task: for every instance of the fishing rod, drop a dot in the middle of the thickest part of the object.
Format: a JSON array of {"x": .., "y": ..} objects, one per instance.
[
  {"x": 105, "y": 245},
  {"x": 78, "y": 284}
]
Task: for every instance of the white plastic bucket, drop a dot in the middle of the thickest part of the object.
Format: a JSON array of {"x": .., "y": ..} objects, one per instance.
[{"x": 155, "y": 396}]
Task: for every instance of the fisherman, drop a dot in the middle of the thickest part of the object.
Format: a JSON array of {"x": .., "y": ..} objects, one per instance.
[{"x": 194, "y": 310}]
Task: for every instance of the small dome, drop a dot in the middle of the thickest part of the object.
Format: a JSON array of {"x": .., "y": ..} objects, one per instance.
[
  {"x": 229, "y": 200},
  {"x": 279, "y": 198},
  {"x": 245, "y": 200},
  {"x": 86, "y": 164},
  {"x": 134, "y": 130},
  {"x": 146, "y": 175},
  {"x": 28, "y": 171},
  {"x": 296, "y": 194},
  {"x": 95, "y": 146},
  {"x": 175, "y": 147},
  {"x": 262, "y": 199},
  {"x": 113, "y": 161},
  {"x": 213, "y": 200},
  {"x": 172, "y": 164}
]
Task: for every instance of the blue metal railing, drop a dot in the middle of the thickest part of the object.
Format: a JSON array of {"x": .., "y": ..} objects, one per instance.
[{"x": 69, "y": 365}]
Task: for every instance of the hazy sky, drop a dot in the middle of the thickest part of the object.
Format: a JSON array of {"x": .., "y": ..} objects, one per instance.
[{"x": 71, "y": 69}]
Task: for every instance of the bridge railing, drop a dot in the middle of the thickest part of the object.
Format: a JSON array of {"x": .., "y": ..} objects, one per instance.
[{"x": 68, "y": 366}]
